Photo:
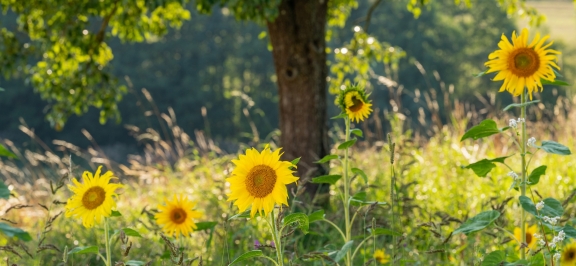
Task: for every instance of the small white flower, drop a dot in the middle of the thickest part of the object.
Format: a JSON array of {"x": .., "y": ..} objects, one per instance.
[
  {"x": 513, "y": 175},
  {"x": 531, "y": 142},
  {"x": 541, "y": 242},
  {"x": 537, "y": 236},
  {"x": 540, "y": 205},
  {"x": 552, "y": 244},
  {"x": 521, "y": 120},
  {"x": 561, "y": 235},
  {"x": 557, "y": 256},
  {"x": 513, "y": 123}
]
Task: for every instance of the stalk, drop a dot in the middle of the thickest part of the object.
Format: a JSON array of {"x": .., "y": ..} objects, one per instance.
[
  {"x": 523, "y": 184},
  {"x": 392, "y": 198},
  {"x": 107, "y": 242},
  {"x": 277, "y": 240},
  {"x": 347, "y": 193}
]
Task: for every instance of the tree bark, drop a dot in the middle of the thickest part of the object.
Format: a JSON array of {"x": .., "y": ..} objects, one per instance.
[{"x": 298, "y": 43}]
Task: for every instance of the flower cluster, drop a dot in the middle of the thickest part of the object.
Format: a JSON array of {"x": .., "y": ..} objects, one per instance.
[
  {"x": 513, "y": 174},
  {"x": 515, "y": 122},
  {"x": 540, "y": 205},
  {"x": 531, "y": 142},
  {"x": 551, "y": 220}
]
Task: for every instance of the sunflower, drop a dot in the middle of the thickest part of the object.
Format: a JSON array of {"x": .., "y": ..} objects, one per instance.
[
  {"x": 92, "y": 199},
  {"x": 530, "y": 239},
  {"x": 177, "y": 216},
  {"x": 260, "y": 180},
  {"x": 568, "y": 257},
  {"x": 354, "y": 102},
  {"x": 523, "y": 65},
  {"x": 381, "y": 256}
]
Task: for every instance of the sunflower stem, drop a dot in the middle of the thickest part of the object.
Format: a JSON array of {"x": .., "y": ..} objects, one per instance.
[
  {"x": 107, "y": 243},
  {"x": 347, "y": 193},
  {"x": 277, "y": 240},
  {"x": 523, "y": 183}
]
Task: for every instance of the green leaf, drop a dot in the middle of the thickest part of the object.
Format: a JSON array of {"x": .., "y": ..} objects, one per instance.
[
  {"x": 554, "y": 148},
  {"x": 6, "y": 153},
  {"x": 478, "y": 222},
  {"x": 360, "y": 173},
  {"x": 134, "y": 263},
  {"x": 537, "y": 260},
  {"x": 248, "y": 255},
  {"x": 316, "y": 216},
  {"x": 342, "y": 252},
  {"x": 569, "y": 231},
  {"x": 552, "y": 207},
  {"x": 295, "y": 161},
  {"x": 483, "y": 167},
  {"x": 327, "y": 158},
  {"x": 480, "y": 74},
  {"x": 384, "y": 231},
  {"x": 534, "y": 177},
  {"x": 517, "y": 263},
  {"x": 359, "y": 199},
  {"x": 300, "y": 218},
  {"x": 347, "y": 144},
  {"x": 84, "y": 250},
  {"x": 555, "y": 82},
  {"x": 4, "y": 191},
  {"x": 520, "y": 104},
  {"x": 10, "y": 231},
  {"x": 115, "y": 214},
  {"x": 131, "y": 232},
  {"x": 358, "y": 132},
  {"x": 341, "y": 115},
  {"x": 494, "y": 258},
  {"x": 244, "y": 215},
  {"x": 326, "y": 179},
  {"x": 486, "y": 128},
  {"x": 205, "y": 226}
]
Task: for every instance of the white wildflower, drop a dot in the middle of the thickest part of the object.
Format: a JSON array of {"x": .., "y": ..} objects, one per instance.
[
  {"x": 513, "y": 175},
  {"x": 561, "y": 235},
  {"x": 541, "y": 242},
  {"x": 513, "y": 123},
  {"x": 521, "y": 120},
  {"x": 531, "y": 142},
  {"x": 557, "y": 256},
  {"x": 540, "y": 205}
]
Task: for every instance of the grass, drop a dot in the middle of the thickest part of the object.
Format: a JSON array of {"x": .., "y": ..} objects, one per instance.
[{"x": 435, "y": 194}]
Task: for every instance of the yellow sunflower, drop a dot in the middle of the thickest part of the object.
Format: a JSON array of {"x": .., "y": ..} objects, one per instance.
[
  {"x": 521, "y": 64},
  {"x": 354, "y": 102},
  {"x": 260, "y": 180},
  {"x": 177, "y": 216},
  {"x": 92, "y": 199},
  {"x": 381, "y": 256},
  {"x": 530, "y": 239},
  {"x": 568, "y": 257}
]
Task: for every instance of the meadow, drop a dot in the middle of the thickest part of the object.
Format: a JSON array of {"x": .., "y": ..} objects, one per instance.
[{"x": 434, "y": 195}]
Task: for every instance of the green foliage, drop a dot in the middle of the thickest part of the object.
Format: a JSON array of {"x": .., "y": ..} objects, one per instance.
[
  {"x": 494, "y": 258},
  {"x": 486, "y": 128},
  {"x": 483, "y": 167},
  {"x": 347, "y": 144},
  {"x": 6, "y": 153},
  {"x": 554, "y": 148},
  {"x": 552, "y": 207},
  {"x": 10, "y": 231},
  {"x": 534, "y": 176},
  {"x": 342, "y": 252},
  {"x": 478, "y": 222},
  {"x": 247, "y": 256},
  {"x": 4, "y": 191},
  {"x": 300, "y": 219},
  {"x": 326, "y": 179},
  {"x": 84, "y": 250}
]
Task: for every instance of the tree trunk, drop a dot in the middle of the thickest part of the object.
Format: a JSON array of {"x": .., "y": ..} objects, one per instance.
[{"x": 298, "y": 43}]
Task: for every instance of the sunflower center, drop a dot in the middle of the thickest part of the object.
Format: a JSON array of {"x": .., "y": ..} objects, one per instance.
[
  {"x": 356, "y": 104},
  {"x": 178, "y": 215},
  {"x": 528, "y": 238},
  {"x": 260, "y": 181},
  {"x": 524, "y": 62},
  {"x": 570, "y": 254},
  {"x": 93, "y": 197}
]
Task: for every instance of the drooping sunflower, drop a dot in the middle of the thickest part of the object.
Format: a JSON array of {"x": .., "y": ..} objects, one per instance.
[
  {"x": 176, "y": 217},
  {"x": 521, "y": 64},
  {"x": 381, "y": 257},
  {"x": 92, "y": 199},
  {"x": 259, "y": 180},
  {"x": 530, "y": 239},
  {"x": 354, "y": 102},
  {"x": 568, "y": 257}
]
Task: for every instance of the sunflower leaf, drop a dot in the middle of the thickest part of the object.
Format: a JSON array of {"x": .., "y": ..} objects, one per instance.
[
  {"x": 486, "y": 128},
  {"x": 347, "y": 144},
  {"x": 115, "y": 214},
  {"x": 360, "y": 173},
  {"x": 316, "y": 216},
  {"x": 300, "y": 218},
  {"x": 248, "y": 255},
  {"x": 555, "y": 82},
  {"x": 131, "y": 232},
  {"x": 205, "y": 226},
  {"x": 510, "y": 106},
  {"x": 341, "y": 115},
  {"x": 326, "y": 179},
  {"x": 295, "y": 162},
  {"x": 358, "y": 132},
  {"x": 327, "y": 158}
]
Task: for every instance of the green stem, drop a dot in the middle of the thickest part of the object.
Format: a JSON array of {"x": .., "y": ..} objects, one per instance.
[
  {"x": 360, "y": 245},
  {"x": 392, "y": 203},
  {"x": 277, "y": 240},
  {"x": 523, "y": 184},
  {"x": 337, "y": 228},
  {"x": 272, "y": 260},
  {"x": 347, "y": 193},
  {"x": 107, "y": 243}
]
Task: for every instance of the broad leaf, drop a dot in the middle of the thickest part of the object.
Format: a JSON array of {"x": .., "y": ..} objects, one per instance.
[
  {"x": 342, "y": 252},
  {"x": 483, "y": 167},
  {"x": 131, "y": 232},
  {"x": 360, "y": 173},
  {"x": 84, "y": 250},
  {"x": 569, "y": 231},
  {"x": 534, "y": 177},
  {"x": 555, "y": 148},
  {"x": 478, "y": 222},
  {"x": 552, "y": 207},
  {"x": 248, "y": 255},
  {"x": 520, "y": 104},
  {"x": 555, "y": 82},
  {"x": 4, "y": 191},
  {"x": 316, "y": 216},
  {"x": 10, "y": 231},
  {"x": 486, "y": 128},
  {"x": 347, "y": 144},
  {"x": 326, "y": 179},
  {"x": 115, "y": 214},
  {"x": 205, "y": 226},
  {"x": 300, "y": 218},
  {"x": 6, "y": 153},
  {"x": 327, "y": 158},
  {"x": 357, "y": 132},
  {"x": 384, "y": 231},
  {"x": 495, "y": 258}
]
